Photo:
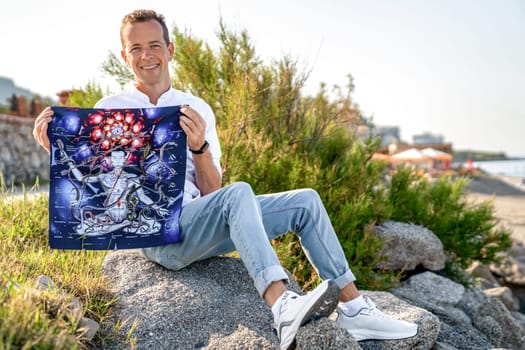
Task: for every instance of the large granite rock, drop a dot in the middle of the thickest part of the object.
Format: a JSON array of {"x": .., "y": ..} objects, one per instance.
[
  {"x": 213, "y": 304},
  {"x": 432, "y": 288},
  {"x": 491, "y": 317},
  {"x": 469, "y": 318},
  {"x": 407, "y": 246}
]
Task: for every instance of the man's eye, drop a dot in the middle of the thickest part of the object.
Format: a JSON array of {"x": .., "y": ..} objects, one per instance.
[
  {"x": 134, "y": 49},
  {"x": 155, "y": 46}
]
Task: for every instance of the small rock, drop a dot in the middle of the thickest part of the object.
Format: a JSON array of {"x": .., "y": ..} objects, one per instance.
[
  {"x": 87, "y": 328},
  {"x": 408, "y": 246}
]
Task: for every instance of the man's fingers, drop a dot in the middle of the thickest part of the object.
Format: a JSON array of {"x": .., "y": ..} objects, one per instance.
[
  {"x": 194, "y": 126},
  {"x": 193, "y": 116},
  {"x": 40, "y": 128},
  {"x": 41, "y": 125}
]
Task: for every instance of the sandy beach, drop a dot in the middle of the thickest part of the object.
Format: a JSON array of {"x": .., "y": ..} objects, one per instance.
[{"x": 508, "y": 195}]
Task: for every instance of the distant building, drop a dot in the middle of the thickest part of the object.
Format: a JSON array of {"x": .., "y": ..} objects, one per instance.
[
  {"x": 363, "y": 130},
  {"x": 427, "y": 138},
  {"x": 389, "y": 135},
  {"x": 391, "y": 142}
]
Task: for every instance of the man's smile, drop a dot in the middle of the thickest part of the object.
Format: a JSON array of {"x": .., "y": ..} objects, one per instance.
[{"x": 151, "y": 66}]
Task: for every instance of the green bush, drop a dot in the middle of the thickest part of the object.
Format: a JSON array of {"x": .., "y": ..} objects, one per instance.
[
  {"x": 87, "y": 96},
  {"x": 468, "y": 231}
]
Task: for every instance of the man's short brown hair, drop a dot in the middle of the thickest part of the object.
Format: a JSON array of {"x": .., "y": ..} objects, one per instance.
[{"x": 144, "y": 16}]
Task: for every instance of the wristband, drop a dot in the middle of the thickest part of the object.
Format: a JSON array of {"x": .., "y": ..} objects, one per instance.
[{"x": 201, "y": 150}]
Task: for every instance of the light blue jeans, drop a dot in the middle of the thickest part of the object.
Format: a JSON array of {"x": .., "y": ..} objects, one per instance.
[{"x": 234, "y": 218}]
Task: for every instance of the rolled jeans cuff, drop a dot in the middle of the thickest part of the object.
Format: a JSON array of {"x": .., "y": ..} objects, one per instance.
[
  {"x": 267, "y": 276},
  {"x": 343, "y": 280}
]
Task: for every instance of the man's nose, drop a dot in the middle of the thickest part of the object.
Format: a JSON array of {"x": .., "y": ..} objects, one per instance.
[{"x": 146, "y": 53}]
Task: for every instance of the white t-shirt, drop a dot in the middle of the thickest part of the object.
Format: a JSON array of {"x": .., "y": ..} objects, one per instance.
[{"x": 136, "y": 99}]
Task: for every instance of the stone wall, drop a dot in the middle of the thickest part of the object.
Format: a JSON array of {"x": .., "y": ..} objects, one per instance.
[{"x": 22, "y": 159}]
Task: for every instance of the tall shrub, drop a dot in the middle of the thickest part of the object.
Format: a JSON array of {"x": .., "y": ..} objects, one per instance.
[{"x": 276, "y": 139}]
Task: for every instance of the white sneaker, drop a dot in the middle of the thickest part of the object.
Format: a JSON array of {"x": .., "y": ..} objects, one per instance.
[
  {"x": 297, "y": 310},
  {"x": 371, "y": 323}
]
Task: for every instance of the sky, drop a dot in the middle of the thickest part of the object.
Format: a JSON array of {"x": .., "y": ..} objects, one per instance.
[{"x": 454, "y": 68}]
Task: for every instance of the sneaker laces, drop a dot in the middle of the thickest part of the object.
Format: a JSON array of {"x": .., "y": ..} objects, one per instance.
[
  {"x": 288, "y": 298},
  {"x": 372, "y": 310}
]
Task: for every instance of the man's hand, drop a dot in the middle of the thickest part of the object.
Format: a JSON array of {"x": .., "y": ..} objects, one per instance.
[
  {"x": 207, "y": 177},
  {"x": 194, "y": 126},
  {"x": 40, "y": 128}
]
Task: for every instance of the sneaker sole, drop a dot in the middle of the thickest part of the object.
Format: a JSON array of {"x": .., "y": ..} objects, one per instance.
[
  {"x": 323, "y": 306},
  {"x": 367, "y": 334}
]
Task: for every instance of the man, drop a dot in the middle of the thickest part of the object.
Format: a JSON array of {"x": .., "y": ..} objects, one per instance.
[{"x": 217, "y": 220}]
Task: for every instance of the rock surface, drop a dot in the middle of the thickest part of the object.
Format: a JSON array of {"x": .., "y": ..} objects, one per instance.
[
  {"x": 408, "y": 246},
  {"x": 210, "y": 304},
  {"x": 213, "y": 304},
  {"x": 470, "y": 319}
]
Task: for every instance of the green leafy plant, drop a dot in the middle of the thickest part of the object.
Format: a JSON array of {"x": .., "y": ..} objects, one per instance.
[
  {"x": 468, "y": 231},
  {"x": 87, "y": 96}
]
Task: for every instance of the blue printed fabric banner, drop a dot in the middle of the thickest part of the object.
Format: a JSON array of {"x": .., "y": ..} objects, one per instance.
[{"x": 117, "y": 177}]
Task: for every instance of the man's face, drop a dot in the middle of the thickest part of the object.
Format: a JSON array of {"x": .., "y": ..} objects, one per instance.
[{"x": 145, "y": 51}]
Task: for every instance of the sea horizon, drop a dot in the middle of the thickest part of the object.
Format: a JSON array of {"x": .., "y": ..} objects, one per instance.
[{"x": 508, "y": 167}]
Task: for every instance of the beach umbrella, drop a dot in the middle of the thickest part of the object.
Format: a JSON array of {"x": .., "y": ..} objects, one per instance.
[
  {"x": 436, "y": 154},
  {"x": 410, "y": 155}
]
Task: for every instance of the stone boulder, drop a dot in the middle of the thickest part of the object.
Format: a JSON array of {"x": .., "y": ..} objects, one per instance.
[
  {"x": 469, "y": 318},
  {"x": 491, "y": 317},
  {"x": 504, "y": 294},
  {"x": 511, "y": 270},
  {"x": 408, "y": 246},
  {"x": 336, "y": 337},
  {"x": 478, "y": 270},
  {"x": 213, "y": 304},
  {"x": 432, "y": 288}
]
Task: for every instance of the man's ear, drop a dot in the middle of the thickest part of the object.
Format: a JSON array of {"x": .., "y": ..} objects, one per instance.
[
  {"x": 171, "y": 49},
  {"x": 124, "y": 57}
]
